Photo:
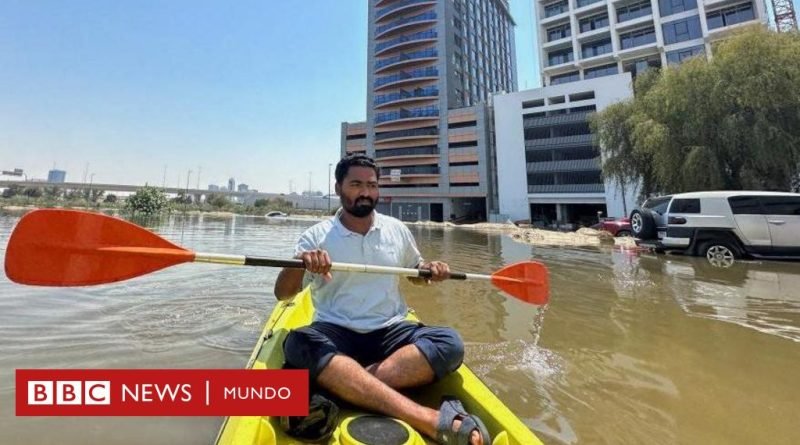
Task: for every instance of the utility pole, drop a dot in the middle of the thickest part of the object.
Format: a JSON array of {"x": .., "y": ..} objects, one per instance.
[
  {"x": 188, "y": 175},
  {"x": 164, "y": 183},
  {"x": 199, "y": 169},
  {"x": 91, "y": 181},
  {"x": 85, "y": 172},
  {"x": 329, "y": 188}
]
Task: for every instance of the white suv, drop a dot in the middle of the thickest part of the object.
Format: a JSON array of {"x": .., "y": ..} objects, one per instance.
[{"x": 732, "y": 224}]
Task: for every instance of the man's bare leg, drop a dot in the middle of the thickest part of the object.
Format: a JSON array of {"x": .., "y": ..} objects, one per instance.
[
  {"x": 347, "y": 379},
  {"x": 405, "y": 368}
]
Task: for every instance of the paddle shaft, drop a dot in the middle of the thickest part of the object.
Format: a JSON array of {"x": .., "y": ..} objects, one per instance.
[{"x": 337, "y": 267}]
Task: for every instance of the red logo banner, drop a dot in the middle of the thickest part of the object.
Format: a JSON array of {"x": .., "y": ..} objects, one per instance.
[{"x": 161, "y": 392}]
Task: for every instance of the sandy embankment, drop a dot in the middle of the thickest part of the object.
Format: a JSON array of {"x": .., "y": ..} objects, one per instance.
[{"x": 581, "y": 237}]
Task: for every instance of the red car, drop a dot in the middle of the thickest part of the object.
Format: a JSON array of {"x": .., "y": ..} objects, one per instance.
[{"x": 617, "y": 227}]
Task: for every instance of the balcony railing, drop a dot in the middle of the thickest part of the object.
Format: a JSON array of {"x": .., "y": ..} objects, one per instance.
[
  {"x": 424, "y": 35},
  {"x": 417, "y": 18},
  {"x": 407, "y": 133},
  {"x": 410, "y": 151},
  {"x": 415, "y": 170},
  {"x": 423, "y": 54},
  {"x": 383, "y": 11},
  {"x": 406, "y": 114},
  {"x": 567, "y": 188},
  {"x": 417, "y": 93},
  {"x": 413, "y": 74}
]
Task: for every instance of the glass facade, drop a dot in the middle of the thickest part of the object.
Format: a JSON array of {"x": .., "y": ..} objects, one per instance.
[
  {"x": 559, "y": 57},
  {"x": 669, "y": 7},
  {"x": 638, "y": 37},
  {"x": 565, "y": 78},
  {"x": 634, "y": 10},
  {"x": 556, "y": 8},
  {"x": 682, "y": 30},
  {"x": 680, "y": 55},
  {"x": 559, "y": 32},
  {"x": 596, "y": 48},
  {"x": 595, "y": 22},
  {"x": 600, "y": 71},
  {"x": 730, "y": 16}
]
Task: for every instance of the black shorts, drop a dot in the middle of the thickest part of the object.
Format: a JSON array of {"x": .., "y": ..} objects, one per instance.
[{"x": 312, "y": 347}]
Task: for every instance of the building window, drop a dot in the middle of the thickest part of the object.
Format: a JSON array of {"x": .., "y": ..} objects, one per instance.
[
  {"x": 565, "y": 78},
  {"x": 582, "y": 3},
  {"x": 680, "y": 55},
  {"x": 555, "y": 8},
  {"x": 594, "y": 22},
  {"x": 558, "y": 32},
  {"x": 682, "y": 30},
  {"x": 559, "y": 57},
  {"x": 730, "y": 16},
  {"x": 634, "y": 10},
  {"x": 637, "y": 38},
  {"x": 596, "y": 48},
  {"x": 669, "y": 7},
  {"x": 600, "y": 71}
]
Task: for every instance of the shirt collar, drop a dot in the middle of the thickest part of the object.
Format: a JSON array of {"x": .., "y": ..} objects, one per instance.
[{"x": 377, "y": 223}]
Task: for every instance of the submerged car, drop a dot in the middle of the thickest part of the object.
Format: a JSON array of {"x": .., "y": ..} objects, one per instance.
[
  {"x": 276, "y": 214},
  {"x": 616, "y": 227},
  {"x": 725, "y": 225}
]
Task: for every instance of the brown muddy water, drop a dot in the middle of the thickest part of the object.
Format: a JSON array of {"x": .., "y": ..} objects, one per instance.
[{"x": 630, "y": 350}]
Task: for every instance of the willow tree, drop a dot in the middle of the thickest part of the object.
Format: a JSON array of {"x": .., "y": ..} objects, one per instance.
[{"x": 729, "y": 123}]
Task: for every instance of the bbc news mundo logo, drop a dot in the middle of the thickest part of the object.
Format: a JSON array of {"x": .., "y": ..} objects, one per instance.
[
  {"x": 162, "y": 392},
  {"x": 71, "y": 392}
]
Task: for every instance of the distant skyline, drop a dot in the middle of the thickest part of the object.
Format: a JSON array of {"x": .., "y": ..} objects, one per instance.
[{"x": 252, "y": 90}]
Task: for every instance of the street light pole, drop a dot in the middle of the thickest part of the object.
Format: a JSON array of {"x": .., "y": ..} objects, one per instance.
[
  {"x": 329, "y": 188},
  {"x": 91, "y": 181}
]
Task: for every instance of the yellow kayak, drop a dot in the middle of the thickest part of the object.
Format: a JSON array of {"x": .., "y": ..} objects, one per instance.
[{"x": 504, "y": 427}]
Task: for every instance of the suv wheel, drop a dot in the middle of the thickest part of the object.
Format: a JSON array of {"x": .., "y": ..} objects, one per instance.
[
  {"x": 720, "y": 253},
  {"x": 643, "y": 225}
]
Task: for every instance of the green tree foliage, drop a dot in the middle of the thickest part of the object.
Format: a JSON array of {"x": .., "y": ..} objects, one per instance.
[
  {"x": 147, "y": 200},
  {"x": 52, "y": 192},
  {"x": 729, "y": 123},
  {"x": 218, "y": 201},
  {"x": 33, "y": 192},
  {"x": 110, "y": 198}
]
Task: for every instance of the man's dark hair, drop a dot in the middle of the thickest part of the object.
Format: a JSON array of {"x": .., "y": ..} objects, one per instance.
[{"x": 355, "y": 160}]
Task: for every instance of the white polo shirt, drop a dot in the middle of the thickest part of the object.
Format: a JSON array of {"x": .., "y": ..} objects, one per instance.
[{"x": 362, "y": 302}]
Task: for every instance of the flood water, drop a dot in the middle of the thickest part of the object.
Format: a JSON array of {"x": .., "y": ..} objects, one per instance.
[{"x": 631, "y": 349}]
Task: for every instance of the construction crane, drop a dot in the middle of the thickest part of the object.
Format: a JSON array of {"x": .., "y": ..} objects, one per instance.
[{"x": 785, "y": 19}]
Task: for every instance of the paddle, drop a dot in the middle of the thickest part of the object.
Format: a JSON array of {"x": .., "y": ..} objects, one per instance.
[{"x": 54, "y": 247}]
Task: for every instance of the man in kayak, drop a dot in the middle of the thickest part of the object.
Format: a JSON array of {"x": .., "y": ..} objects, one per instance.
[{"x": 359, "y": 346}]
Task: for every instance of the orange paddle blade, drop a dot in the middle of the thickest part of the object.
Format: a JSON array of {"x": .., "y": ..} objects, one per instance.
[
  {"x": 526, "y": 281},
  {"x": 54, "y": 247}
]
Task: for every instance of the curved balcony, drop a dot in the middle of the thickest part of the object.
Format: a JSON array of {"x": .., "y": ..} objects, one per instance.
[
  {"x": 421, "y": 73},
  {"x": 413, "y": 113},
  {"x": 396, "y": 7},
  {"x": 406, "y": 96},
  {"x": 407, "y": 152},
  {"x": 425, "y": 54},
  {"x": 398, "y": 42},
  {"x": 429, "y": 16},
  {"x": 417, "y": 133}
]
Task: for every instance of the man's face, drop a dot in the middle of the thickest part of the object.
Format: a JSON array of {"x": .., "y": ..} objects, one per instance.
[{"x": 358, "y": 191}]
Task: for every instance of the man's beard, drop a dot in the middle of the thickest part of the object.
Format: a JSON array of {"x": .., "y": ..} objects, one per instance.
[{"x": 361, "y": 207}]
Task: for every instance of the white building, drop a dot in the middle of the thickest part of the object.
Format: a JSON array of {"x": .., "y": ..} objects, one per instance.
[
  {"x": 583, "y": 39},
  {"x": 548, "y": 163}
]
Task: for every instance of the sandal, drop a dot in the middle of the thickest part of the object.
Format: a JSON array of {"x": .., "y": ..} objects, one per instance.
[{"x": 451, "y": 410}]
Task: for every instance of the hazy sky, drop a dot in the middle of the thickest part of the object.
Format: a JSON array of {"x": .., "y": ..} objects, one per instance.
[
  {"x": 254, "y": 90},
  {"x": 250, "y": 89}
]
